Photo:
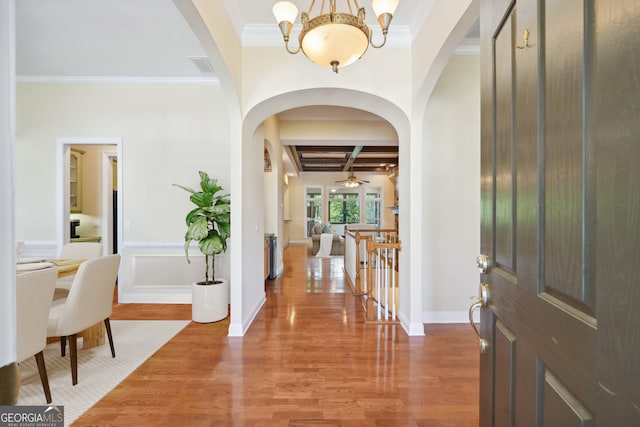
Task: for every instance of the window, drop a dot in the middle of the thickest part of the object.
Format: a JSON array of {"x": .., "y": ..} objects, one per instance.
[
  {"x": 344, "y": 206},
  {"x": 314, "y": 207},
  {"x": 373, "y": 205}
]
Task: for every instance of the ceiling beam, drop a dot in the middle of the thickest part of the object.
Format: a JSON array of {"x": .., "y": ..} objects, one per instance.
[
  {"x": 294, "y": 157},
  {"x": 378, "y": 160},
  {"x": 380, "y": 149},
  {"x": 325, "y": 148},
  {"x": 352, "y": 158}
]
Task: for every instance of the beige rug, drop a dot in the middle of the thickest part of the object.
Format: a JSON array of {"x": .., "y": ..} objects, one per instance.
[{"x": 98, "y": 373}]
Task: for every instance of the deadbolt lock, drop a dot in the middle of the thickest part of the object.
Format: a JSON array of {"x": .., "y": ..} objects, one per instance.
[{"x": 485, "y": 263}]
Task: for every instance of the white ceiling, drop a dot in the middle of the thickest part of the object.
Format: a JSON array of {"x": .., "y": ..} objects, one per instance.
[{"x": 149, "y": 38}]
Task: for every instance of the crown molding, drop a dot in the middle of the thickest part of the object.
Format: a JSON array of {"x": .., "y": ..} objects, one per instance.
[
  {"x": 468, "y": 46},
  {"x": 119, "y": 80},
  {"x": 467, "y": 50},
  {"x": 269, "y": 35}
]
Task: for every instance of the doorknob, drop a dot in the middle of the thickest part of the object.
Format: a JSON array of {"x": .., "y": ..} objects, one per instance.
[
  {"x": 482, "y": 343},
  {"x": 485, "y": 264}
]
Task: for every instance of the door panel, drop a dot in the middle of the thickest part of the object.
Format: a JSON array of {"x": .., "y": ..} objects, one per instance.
[
  {"x": 561, "y": 212},
  {"x": 560, "y": 407},
  {"x": 504, "y": 200},
  {"x": 505, "y": 344},
  {"x": 563, "y": 57}
]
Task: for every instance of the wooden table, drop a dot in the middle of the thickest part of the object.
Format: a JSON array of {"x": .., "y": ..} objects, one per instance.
[
  {"x": 66, "y": 267},
  {"x": 95, "y": 335}
]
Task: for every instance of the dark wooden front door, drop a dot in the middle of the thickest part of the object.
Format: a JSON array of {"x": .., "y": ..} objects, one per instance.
[{"x": 561, "y": 212}]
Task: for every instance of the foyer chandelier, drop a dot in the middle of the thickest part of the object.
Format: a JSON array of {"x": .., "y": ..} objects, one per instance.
[{"x": 334, "y": 39}]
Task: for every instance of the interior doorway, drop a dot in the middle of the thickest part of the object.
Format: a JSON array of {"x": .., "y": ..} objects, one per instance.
[{"x": 105, "y": 187}]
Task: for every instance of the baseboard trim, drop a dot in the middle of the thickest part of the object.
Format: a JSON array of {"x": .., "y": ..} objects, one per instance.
[
  {"x": 239, "y": 329},
  {"x": 412, "y": 329}
]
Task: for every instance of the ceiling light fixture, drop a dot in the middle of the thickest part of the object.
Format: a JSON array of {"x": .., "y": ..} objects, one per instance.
[
  {"x": 352, "y": 181},
  {"x": 334, "y": 39}
]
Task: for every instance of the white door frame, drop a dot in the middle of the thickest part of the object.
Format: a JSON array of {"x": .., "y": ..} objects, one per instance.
[
  {"x": 63, "y": 146},
  {"x": 107, "y": 201}
]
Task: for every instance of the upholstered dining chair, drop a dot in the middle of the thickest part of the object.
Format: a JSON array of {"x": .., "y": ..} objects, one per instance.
[
  {"x": 75, "y": 250},
  {"x": 34, "y": 291},
  {"x": 89, "y": 302},
  {"x": 81, "y": 250}
]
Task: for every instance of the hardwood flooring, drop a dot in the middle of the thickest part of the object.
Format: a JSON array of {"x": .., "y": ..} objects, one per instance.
[{"x": 307, "y": 360}]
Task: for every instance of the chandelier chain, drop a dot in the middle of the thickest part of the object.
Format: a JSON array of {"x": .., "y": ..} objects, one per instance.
[{"x": 313, "y": 2}]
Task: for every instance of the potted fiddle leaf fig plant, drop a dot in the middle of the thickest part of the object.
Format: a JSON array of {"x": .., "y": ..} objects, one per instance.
[{"x": 208, "y": 224}]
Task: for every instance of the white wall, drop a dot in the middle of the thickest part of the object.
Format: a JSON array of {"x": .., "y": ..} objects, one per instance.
[
  {"x": 169, "y": 132},
  {"x": 451, "y": 200}
]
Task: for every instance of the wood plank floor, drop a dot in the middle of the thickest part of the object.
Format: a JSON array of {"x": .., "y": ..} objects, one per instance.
[{"x": 307, "y": 360}]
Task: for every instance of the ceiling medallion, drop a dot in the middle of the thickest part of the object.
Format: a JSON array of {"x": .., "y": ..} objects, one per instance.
[{"x": 335, "y": 39}]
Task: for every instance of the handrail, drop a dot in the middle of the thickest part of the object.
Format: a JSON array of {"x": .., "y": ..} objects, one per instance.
[{"x": 353, "y": 266}]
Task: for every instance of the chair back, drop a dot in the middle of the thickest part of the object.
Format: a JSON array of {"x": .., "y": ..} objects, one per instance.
[
  {"x": 34, "y": 291},
  {"x": 81, "y": 250},
  {"x": 90, "y": 298}
]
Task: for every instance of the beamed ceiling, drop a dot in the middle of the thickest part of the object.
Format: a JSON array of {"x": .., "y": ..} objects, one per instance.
[{"x": 342, "y": 158}]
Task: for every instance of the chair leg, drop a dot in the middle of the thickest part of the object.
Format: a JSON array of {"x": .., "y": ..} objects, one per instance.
[
  {"x": 107, "y": 326},
  {"x": 73, "y": 346},
  {"x": 42, "y": 370},
  {"x": 63, "y": 346}
]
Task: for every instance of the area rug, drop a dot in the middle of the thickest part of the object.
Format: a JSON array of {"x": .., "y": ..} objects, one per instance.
[{"x": 98, "y": 373}]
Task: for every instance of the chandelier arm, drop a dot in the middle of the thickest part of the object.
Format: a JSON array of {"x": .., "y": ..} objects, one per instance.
[
  {"x": 375, "y": 45},
  {"x": 384, "y": 20},
  {"x": 293, "y": 52}
]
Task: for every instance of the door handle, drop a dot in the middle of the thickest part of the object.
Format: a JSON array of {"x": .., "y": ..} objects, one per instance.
[
  {"x": 484, "y": 295},
  {"x": 482, "y": 343}
]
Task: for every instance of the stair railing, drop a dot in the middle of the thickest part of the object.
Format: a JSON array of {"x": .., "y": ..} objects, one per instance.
[{"x": 381, "y": 279}]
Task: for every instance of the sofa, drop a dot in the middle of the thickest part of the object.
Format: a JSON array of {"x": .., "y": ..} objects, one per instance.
[{"x": 337, "y": 245}]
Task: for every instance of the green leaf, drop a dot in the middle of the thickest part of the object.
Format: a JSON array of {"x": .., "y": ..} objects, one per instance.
[
  {"x": 195, "y": 213},
  {"x": 212, "y": 244},
  {"x": 187, "y": 243},
  {"x": 198, "y": 229},
  {"x": 202, "y": 199},
  {"x": 207, "y": 184}
]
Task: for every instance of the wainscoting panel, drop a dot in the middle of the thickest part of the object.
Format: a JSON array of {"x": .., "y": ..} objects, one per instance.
[{"x": 159, "y": 273}]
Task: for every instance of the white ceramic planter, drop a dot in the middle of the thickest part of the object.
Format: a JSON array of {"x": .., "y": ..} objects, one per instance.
[{"x": 210, "y": 303}]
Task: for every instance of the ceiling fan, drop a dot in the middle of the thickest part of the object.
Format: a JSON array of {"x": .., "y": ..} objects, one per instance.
[{"x": 352, "y": 181}]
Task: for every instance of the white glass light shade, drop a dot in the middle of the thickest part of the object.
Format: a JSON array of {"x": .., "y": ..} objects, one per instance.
[
  {"x": 384, "y": 6},
  {"x": 285, "y": 11},
  {"x": 334, "y": 42}
]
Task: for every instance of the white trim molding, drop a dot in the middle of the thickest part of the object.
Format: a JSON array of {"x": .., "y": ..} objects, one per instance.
[
  {"x": 236, "y": 330},
  {"x": 135, "y": 80}
]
